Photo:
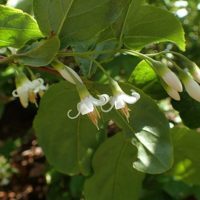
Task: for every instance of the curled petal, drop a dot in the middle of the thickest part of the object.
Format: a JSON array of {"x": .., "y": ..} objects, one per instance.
[
  {"x": 72, "y": 117},
  {"x": 107, "y": 110},
  {"x": 15, "y": 93},
  {"x": 130, "y": 99},
  {"x": 103, "y": 99}
]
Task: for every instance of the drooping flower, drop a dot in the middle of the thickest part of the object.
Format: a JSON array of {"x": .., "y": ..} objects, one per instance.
[
  {"x": 88, "y": 105},
  {"x": 27, "y": 90},
  {"x": 120, "y": 99},
  {"x": 66, "y": 72},
  {"x": 191, "y": 86},
  {"x": 168, "y": 76},
  {"x": 171, "y": 91}
]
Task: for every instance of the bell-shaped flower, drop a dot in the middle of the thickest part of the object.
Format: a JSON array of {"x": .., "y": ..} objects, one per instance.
[
  {"x": 191, "y": 86},
  {"x": 88, "y": 105},
  {"x": 27, "y": 90},
  {"x": 168, "y": 76},
  {"x": 170, "y": 91},
  {"x": 120, "y": 99}
]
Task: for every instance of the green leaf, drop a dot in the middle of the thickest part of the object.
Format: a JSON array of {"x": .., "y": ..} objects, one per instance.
[
  {"x": 187, "y": 160},
  {"x": 75, "y": 20},
  {"x": 39, "y": 53},
  {"x": 145, "y": 78},
  {"x": 142, "y": 74},
  {"x": 114, "y": 178},
  {"x": 16, "y": 27},
  {"x": 150, "y": 130},
  {"x": 150, "y": 24},
  {"x": 68, "y": 144},
  {"x": 189, "y": 110}
]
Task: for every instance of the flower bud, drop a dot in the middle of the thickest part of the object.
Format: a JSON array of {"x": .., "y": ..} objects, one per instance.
[
  {"x": 191, "y": 86},
  {"x": 67, "y": 73},
  {"x": 167, "y": 75},
  {"x": 171, "y": 92}
]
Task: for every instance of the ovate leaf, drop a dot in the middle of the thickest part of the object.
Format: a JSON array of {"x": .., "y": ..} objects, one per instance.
[
  {"x": 39, "y": 53},
  {"x": 150, "y": 132},
  {"x": 16, "y": 27},
  {"x": 114, "y": 178},
  {"x": 150, "y": 24},
  {"x": 68, "y": 144}
]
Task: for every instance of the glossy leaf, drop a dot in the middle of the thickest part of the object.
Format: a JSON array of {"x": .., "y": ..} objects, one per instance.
[
  {"x": 150, "y": 132},
  {"x": 187, "y": 160},
  {"x": 40, "y": 53},
  {"x": 114, "y": 178},
  {"x": 16, "y": 27},
  {"x": 68, "y": 144}
]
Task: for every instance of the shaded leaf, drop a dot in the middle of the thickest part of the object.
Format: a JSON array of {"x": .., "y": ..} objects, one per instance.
[
  {"x": 75, "y": 20},
  {"x": 39, "y": 53},
  {"x": 68, "y": 144},
  {"x": 114, "y": 178}
]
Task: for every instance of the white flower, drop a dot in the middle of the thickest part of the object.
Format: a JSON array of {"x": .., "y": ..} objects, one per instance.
[
  {"x": 172, "y": 80},
  {"x": 88, "y": 105},
  {"x": 192, "y": 88},
  {"x": 171, "y": 91},
  {"x": 120, "y": 99},
  {"x": 173, "y": 94},
  {"x": 38, "y": 86},
  {"x": 168, "y": 76},
  {"x": 27, "y": 90}
]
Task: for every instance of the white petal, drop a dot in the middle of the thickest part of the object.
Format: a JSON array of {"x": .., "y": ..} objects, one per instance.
[
  {"x": 192, "y": 88},
  {"x": 173, "y": 94},
  {"x": 172, "y": 80},
  {"x": 196, "y": 73},
  {"x": 38, "y": 85},
  {"x": 103, "y": 99},
  {"x": 85, "y": 106},
  {"x": 118, "y": 102},
  {"x": 23, "y": 96},
  {"x": 130, "y": 99}
]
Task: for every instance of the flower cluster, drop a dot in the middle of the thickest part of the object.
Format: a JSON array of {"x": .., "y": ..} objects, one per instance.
[
  {"x": 173, "y": 83},
  {"x": 27, "y": 90},
  {"x": 89, "y": 104}
]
